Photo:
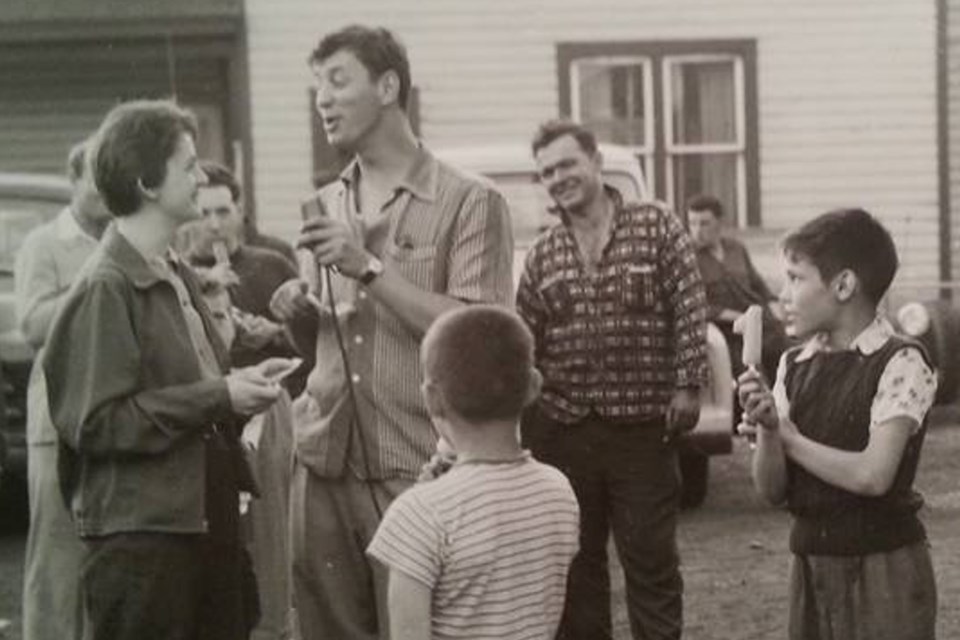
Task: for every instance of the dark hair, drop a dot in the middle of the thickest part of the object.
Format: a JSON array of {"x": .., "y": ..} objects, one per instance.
[
  {"x": 219, "y": 176},
  {"x": 703, "y": 202},
  {"x": 551, "y": 130},
  {"x": 847, "y": 239},
  {"x": 76, "y": 160},
  {"x": 481, "y": 358},
  {"x": 377, "y": 49},
  {"x": 133, "y": 145}
]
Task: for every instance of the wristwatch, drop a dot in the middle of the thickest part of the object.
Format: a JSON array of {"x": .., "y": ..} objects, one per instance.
[{"x": 373, "y": 269}]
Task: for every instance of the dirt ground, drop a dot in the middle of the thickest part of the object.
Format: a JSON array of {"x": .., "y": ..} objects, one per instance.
[
  {"x": 734, "y": 548},
  {"x": 735, "y": 556}
]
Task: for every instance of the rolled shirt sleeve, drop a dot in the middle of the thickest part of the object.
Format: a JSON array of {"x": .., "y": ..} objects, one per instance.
[{"x": 481, "y": 257}]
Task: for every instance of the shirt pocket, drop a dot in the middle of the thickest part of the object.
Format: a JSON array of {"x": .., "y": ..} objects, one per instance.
[
  {"x": 418, "y": 264},
  {"x": 638, "y": 287},
  {"x": 556, "y": 296}
]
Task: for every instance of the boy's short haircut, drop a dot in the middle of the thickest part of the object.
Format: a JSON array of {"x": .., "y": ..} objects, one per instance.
[
  {"x": 552, "y": 130},
  {"x": 377, "y": 49},
  {"x": 703, "y": 202},
  {"x": 133, "y": 145},
  {"x": 481, "y": 358},
  {"x": 848, "y": 239},
  {"x": 219, "y": 176}
]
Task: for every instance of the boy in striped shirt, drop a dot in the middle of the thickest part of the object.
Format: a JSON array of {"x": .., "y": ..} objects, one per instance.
[{"x": 483, "y": 551}]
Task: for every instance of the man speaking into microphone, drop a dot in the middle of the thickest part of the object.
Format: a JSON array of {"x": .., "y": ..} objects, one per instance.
[{"x": 406, "y": 238}]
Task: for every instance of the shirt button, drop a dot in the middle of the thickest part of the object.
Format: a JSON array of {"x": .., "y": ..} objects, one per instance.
[
  {"x": 358, "y": 339},
  {"x": 362, "y": 295},
  {"x": 356, "y": 378}
]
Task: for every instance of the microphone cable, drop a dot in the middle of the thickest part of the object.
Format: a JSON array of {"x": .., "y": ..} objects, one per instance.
[{"x": 355, "y": 423}]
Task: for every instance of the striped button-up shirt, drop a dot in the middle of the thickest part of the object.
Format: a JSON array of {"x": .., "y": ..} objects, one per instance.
[
  {"x": 444, "y": 232},
  {"x": 619, "y": 339}
]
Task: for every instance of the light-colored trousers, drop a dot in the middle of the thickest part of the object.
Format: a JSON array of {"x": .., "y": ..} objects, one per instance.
[
  {"x": 338, "y": 591},
  {"x": 268, "y": 521},
  {"x": 52, "y": 608}
]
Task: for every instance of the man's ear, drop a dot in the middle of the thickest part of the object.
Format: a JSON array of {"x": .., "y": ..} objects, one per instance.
[
  {"x": 389, "y": 84},
  {"x": 536, "y": 385},
  {"x": 845, "y": 284}
]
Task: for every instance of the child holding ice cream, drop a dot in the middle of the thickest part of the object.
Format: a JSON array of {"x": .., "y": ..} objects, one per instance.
[{"x": 839, "y": 438}]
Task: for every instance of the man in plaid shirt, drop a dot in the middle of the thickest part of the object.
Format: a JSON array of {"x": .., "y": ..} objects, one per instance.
[{"x": 614, "y": 299}]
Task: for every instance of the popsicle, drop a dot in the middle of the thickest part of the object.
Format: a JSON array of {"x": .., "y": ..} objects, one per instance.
[
  {"x": 750, "y": 326},
  {"x": 220, "y": 253}
]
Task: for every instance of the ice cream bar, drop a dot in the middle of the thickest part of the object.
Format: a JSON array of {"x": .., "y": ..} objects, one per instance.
[
  {"x": 220, "y": 253},
  {"x": 750, "y": 326}
]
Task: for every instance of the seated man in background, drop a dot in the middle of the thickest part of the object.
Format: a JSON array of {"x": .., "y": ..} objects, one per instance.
[{"x": 732, "y": 283}]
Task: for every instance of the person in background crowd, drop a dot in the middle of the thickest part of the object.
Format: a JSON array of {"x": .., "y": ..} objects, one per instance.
[
  {"x": 614, "y": 300},
  {"x": 483, "y": 551},
  {"x": 48, "y": 262},
  {"x": 407, "y": 238},
  {"x": 249, "y": 276},
  {"x": 733, "y": 284},
  {"x": 147, "y": 414},
  {"x": 254, "y": 238},
  {"x": 839, "y": 439}
]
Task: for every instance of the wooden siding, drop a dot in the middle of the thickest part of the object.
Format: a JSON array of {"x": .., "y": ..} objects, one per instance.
[
  {"x": 847, "y": 91},
  {"x": 953, "y": 118}
]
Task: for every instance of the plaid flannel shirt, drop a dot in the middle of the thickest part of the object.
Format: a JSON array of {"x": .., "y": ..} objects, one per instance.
[{"x": 621, "y": 339}]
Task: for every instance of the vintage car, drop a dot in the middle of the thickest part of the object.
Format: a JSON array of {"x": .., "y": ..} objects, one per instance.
[
  {"x": 27, "y": 200},
  {"x": 511, "y": 170}
]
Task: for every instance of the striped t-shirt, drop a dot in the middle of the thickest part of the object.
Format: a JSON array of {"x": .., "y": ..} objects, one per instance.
[{"x": 493, "y": 542}]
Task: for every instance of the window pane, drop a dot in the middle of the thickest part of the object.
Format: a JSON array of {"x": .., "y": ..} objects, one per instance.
[
  {"x": 704, "y": 106},
  {"x": 612, "y": 101},
  {"x": 714, "y": 175}
]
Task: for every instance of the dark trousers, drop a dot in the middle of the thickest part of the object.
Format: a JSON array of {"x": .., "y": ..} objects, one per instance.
[
  {"x": 145, "y": 585},
  {"x": 626, "y": 480}
]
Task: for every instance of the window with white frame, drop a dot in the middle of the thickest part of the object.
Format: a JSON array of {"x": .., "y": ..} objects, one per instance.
[
  {"x": 688, "y": 110},
  {"x": 613, "y": 96}
]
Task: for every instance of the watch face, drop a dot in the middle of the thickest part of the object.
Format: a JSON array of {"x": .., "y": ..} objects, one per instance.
[{"x": 374, "y": 268}]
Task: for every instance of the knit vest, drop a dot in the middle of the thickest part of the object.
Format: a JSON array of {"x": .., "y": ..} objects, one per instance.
[{"x": 830, "y": 399}]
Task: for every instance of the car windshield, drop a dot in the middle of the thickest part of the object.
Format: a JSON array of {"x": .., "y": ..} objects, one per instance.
[
  {"x": 18, "y": 216},
  {"x": 530, "y": 204}
]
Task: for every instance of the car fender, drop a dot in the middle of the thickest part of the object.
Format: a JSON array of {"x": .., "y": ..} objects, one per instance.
[{"x": 714, "y": 431}]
